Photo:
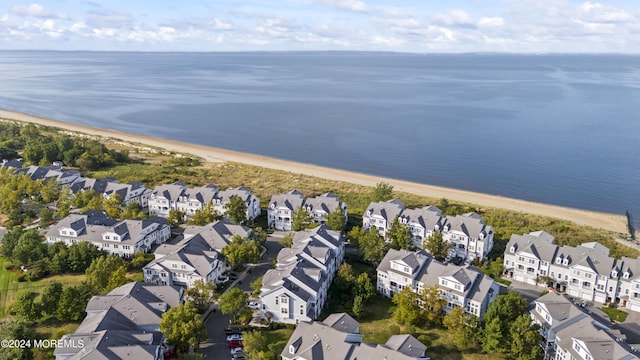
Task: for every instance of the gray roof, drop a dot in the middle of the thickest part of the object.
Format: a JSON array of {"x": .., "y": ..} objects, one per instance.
[
  {"x": 292, "y": 200},
  {"x": 417, "y": 259},
  {"x": 203, "y": 194},
  {"x": 600, "y": 343},
  {"x": 428, "y": 217},
  {"x": 541, "y": 247},
  {"x": 195, "y": 252},
  {"x": 387, "y": 209},
  {"x": 407, "y": 345},
  {"x": 242, "y": 192},
  {"x": 326, "y": 202},
  {"x": 342, "y": 322},
  {"x": 112, "y": 344},
  {"x": 470, "y": 224},
  {"x": 170, "y": 192}
]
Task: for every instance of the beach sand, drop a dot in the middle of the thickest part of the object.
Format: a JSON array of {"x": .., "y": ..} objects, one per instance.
[{"x": 606, "y": 221}]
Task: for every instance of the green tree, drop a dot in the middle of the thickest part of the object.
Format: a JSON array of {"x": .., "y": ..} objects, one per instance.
[
  {"x": 407, "y": 311},
  {"x": 132, "y": 211},
  {"x": 204, "y": 216},
  {"x": 51, "y": 298},
  {"x": 364, "y": 287},
  {"x": 255, "y": 345},
  {"x": 336, "y": 219},
  {"x": 443, "y": 204},
  {"x": 25, "y": 307},
  {"x": 355, "y": 235},
  {"x": 73, "y": 302},
  {"x": 399, "y": 236},
  {"x": 432, "y": 305},
  {"x": 358, "y": 308},
  {"x": 236, "y": 210},
  {"x": 80, "y": 256},
  {"x": 100, "y": 271},
  {"x": 113, "y": 206},
  {"x": 493, "y": 337},
  {"x": 456, "y": 322},
  {"x": 382, "y": 192},
  {"x": 46, "y": 215},
  {"x": 437, "y": 246},
  {"x": 11, "y": 328},
  {"x": 505, "y": 309},
  {"x": 183, "y": 327},
  {"x": 233, "y": 302},
  {"x": 345, "y": 280},
  {"x": 202, "y": 294},
  {"x": 300, "y": 219},
  {"x": 176, "y": 218},
  {"x": 117, "y": 278},
  {"x": 241, "y": 251},
  {"x": 372, "y": 247},
  {"x": 256, "y": 286},
  {"x": 525, "y": 339},
  {"x": 287, "y": 240},
  {"x": 30, "y": 247}
]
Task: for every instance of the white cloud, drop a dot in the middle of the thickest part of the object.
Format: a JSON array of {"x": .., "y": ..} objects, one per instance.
[
  {"x": 491, "y": 22},
  {"x": 453, "y": 17},
  {"x": 78, "y": 27},
  {"x": 36, "y": 10},
  {"x": 351, "y": 5},
  {"x": 595, "y": 12},
  {"x": 221, "y": 25}
]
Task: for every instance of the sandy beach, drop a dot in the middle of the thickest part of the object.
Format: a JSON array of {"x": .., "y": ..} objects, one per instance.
[{"x": 594, "y": 219}]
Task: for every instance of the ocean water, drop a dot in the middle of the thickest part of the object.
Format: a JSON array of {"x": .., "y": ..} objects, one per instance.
[{"x": 558, "y": 129}]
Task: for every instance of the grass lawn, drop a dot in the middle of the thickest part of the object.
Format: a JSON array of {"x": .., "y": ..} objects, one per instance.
[
  {"x": 9, "y": 287},
  {"x": 615, "y": 314}
]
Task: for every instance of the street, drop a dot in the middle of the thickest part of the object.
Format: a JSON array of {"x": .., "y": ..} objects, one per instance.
[{"x": 215, "y": 347}]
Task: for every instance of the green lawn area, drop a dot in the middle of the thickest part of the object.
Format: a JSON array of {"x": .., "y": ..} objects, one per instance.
[
  {"x": 9, "y": 287},
  {"x": 615, "y": 314}
]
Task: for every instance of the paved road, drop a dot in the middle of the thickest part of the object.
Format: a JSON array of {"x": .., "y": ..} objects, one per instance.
[{"x": 216, "y": 346}]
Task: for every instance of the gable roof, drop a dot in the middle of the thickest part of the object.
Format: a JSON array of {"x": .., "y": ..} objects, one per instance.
[{"x": 388, "y": 210}]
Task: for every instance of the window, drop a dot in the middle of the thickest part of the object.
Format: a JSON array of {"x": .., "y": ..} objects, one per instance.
[
  {"x": 115, "y": 246},
  {"x": 284, "y": 310},
  {"x": 183, "y": 266},
  {"x": 285, "y": 300},
  {"x": 587, "y": 275},
  {"x": 531, "y": 261},
  {"x": 276, "y": 300},
  {"x": 520, "y": 258},
  {"x": 107, "y": 237}
]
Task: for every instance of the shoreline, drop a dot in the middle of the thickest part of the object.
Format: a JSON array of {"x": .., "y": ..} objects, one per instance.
[{"x": 600, "y": 220}]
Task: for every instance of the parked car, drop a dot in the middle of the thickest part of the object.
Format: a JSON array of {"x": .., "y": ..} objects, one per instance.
[
  {"x": 237, "y": 350},
  {"x": 235, "y": 344},
  {"x": 234, "y": 337},
  {"x": 253, "y": 305},
  {"x": 223, "y": 279},
  {"x": 230, "y": 331}
]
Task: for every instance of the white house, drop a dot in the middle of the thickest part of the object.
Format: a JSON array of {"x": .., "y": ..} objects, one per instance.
[
  {"x": 281, "y": 208},
  {"x": 121, "y": 238},
  {"x": 165, "y": 198},
  {"x": 380, "y": 215},
  {"x": 463, "y": 286},
  {"x": 422, "y": 223},
  {"x": 218, "y": 234},
  {"x": 472, "y": 238},
  {"x": 222, "y": 198},
  {"x": 587, "y": 339},
  {"x": 320, "y": 206}
]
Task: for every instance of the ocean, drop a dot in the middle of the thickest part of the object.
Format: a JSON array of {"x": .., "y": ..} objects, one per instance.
[{"x": 557, "y": 129}]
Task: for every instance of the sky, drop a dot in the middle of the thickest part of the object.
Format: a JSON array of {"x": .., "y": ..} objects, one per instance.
[{"x": 423, "y": 26}]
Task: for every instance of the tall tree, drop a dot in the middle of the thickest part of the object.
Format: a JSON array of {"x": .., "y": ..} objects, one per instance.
[
  {"x": 73, "y": 301},
  {"x": 364, "y": 287},
  {"x": 525, "y": 339},
  {"x": 241, "y": 251},
  {"x": 29, "y": 248},
  {"x": 204, "y": 216},
  {"x": 176, "y": 218},
  {"x": 492, "y": 339},
  {"x": 51, "y": 298},
  {"x": 287, "y": 240},
  {"x": 11, "y": 328},
  {"x": 372, "y": 246},
  {"x": 382, "y": 192},
  {"x": 25, "y": 307},
  {"x": 234, "y": 301},
  {"x": 100, "y": 271},
  {"x": 336, "y": 219},
  {"x": 202, "y": 294},
  {"x": 256, "y": 286},
  {"x": 432, "y": 305},
  {"x": 437, "y": 246},
  {"x": 255, "y": 345},
  {"x": 358, "y": 308},
  {"x": 399, "y": 236},
  {"x": 355, "y": 235},
  {"x": 456, "y": 322},
  {"x": 113, "y": 206},
  {"x": 117, "y": 278},
  {"x": 236, "y": 210},
  {"x": 132, "y": 211},
  {"x": 183, "y": 327},
  {"x": 505, "y": 309},
  {"x": 300, "y": 219},
  {"x": 407, "y": 311}
]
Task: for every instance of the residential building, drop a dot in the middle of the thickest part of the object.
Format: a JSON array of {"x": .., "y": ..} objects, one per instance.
[
  {"x": 185, "y": 263},
  {"x": 218, "y": 234},
  {"x": 121, "y": 238},
  {"x": 380, "y": 215},
  {"x": 339, "y": 337},
  {"x": 281, "y": 208},
  {"x": 196, "y": 199},
  {"x": 422, "y": 223},
  {"x": 296, "y": 290},
  {"x": 472, "y": 238},
  {"x": 320, "y": 206},
  {"x": 11, "y": 163},
  {"x": 62, "y": 177},
  {"x": 222, "y": 198},
  {"x": 586, "y": 272},
  {"x": 123, "y": 324},
  {"x": 463, "y": 286}
]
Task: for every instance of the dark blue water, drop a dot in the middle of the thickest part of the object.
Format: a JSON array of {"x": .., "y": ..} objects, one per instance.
[{"x": 559, "y": 129}]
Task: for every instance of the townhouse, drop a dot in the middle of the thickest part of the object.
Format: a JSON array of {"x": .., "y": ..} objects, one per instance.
[
  {"x": 252, "y": 202},
  {"x": 123, "y": 324},
  {"x": 134, "y": 192},
  {"x": 185, "y": 263},
  {"x": 121, "y": 238},
  {"x": 281, "y": 208},
  {"x": 61, "y": 176},
  {"x": 471, "y": 237},
  {"x": 177, "y": 196},
  {"x": 339, "y": 337},
  {"x": 218, "y": 234},
  {"x": 380, "y": 215},
  {"x": 422, "y": 223},
  {"x": 588, "y": 340},
  {"x": 463, "y": 286},
  {"x": 320, "y": 206},
  {"x": 586, "y": 271},
  {"x": 296, "y": 290}
]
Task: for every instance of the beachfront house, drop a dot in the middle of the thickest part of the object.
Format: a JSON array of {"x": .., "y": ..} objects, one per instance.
[
  {"x": 252, "y": 202},
  {"x": 61, "y": 176},
  {"x": 281, "y": 208},
  {"x": 121, "y": 238},
  {"x": 471, "y": 237},
  {"x": 123, "y": 324},
  {"x": 586, "y": 272},
  {"x": 339, "y": 337},
  {"x": 218, "y": 234},
  {"x": 296, "y": 290},
  {"x": 380, "y": 215},
  {"x": 463, "y": 286},
  {"x": 164, "y": 198},
  {"x": 320, "y": 206},
  {"x": 422, "y": 223}
]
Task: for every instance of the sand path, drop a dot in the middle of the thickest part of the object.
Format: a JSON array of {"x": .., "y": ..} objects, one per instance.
[{"x": 594, "y": 219}]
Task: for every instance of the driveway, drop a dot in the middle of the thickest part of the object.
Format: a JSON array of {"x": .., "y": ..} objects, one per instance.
[{"x": 216, "y": 346}]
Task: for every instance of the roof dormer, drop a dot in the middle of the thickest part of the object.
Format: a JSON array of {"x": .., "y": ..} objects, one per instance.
[
  {"x": 513, "y": 248},
  {"x": 559, "y": 259},
  {"x": 614, "y": 273},
  {"x": 627, "y": 274},
  {"x": 481, "y": 235}
]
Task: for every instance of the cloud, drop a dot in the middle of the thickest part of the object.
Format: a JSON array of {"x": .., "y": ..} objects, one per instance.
[
  {"x": 351, "y": 5},
  {"x": 36, "y": 10},
  {"x": 491, "y": 22},
  {"x": 109, "y": 19},
  {"x": 595, "y": 12},
  {"x": 221, "y": 25},
  {"x": 453, "y": 17}
]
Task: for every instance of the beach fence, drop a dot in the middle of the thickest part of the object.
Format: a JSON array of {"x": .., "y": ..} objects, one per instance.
[{"x": 630, "y": 226}]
